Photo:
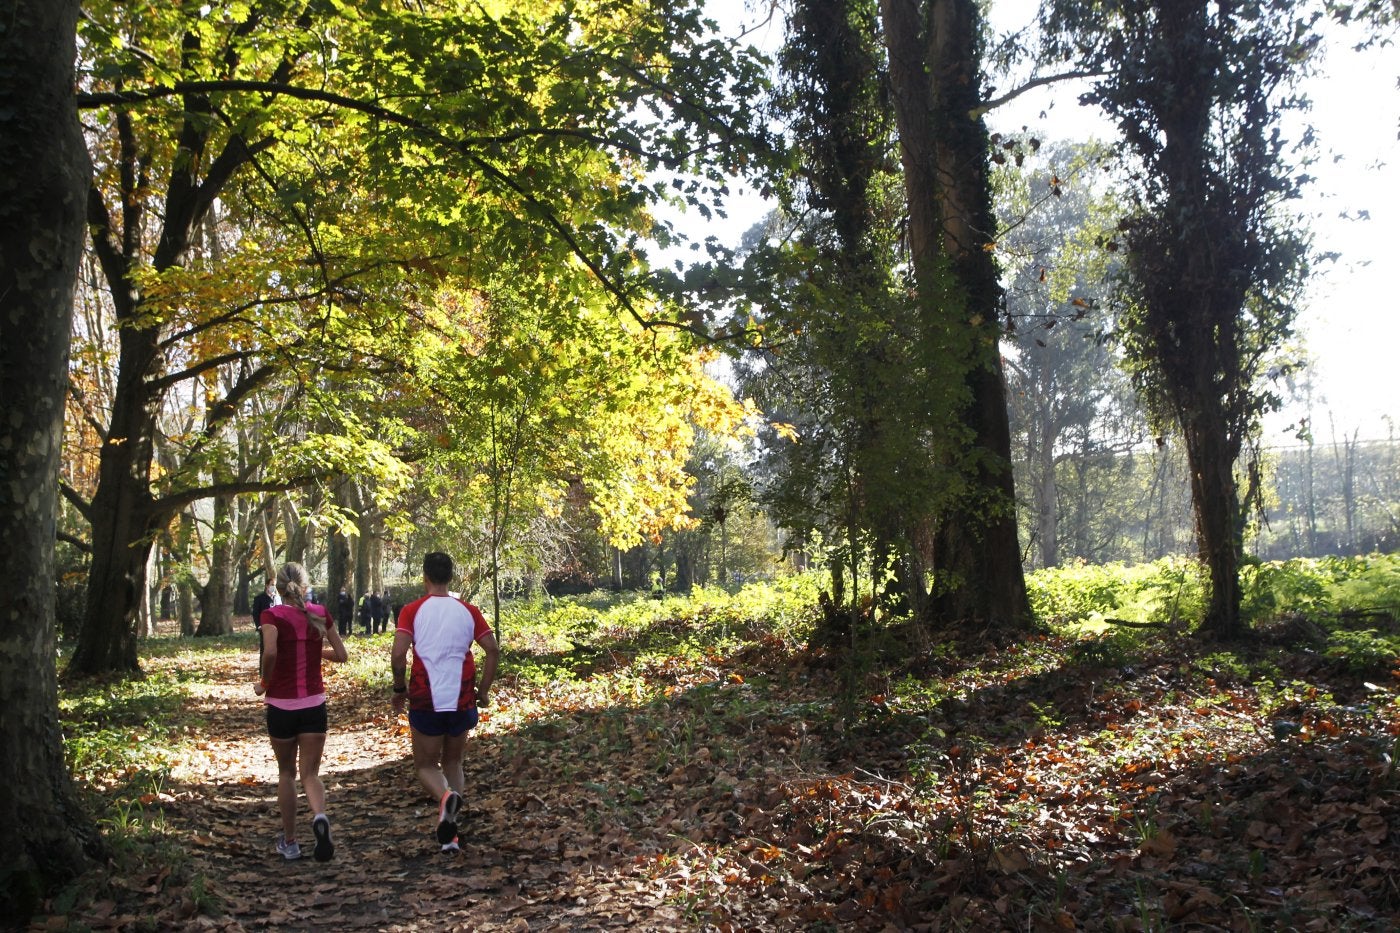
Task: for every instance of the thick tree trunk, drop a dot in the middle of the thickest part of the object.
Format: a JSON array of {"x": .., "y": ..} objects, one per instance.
[
  {"x": 337, "y": 569},
  {"x": 1214, "y": 491},
  {"x": 121, "y": 541},
  {"x": 45, "y": 838},
  {"x": 216, "y": 607},
  {"x": 936, "y": 83},
  {"x": 242, "y": 598}
]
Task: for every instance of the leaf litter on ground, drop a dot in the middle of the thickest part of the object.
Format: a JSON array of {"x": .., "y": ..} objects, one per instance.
[{"x": 708, "y": 770}]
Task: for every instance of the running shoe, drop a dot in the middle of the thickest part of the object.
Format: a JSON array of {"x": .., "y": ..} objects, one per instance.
[
  {"x": 452, "y": 845},
  {"x": 288, "y": 850},
  {"x": 321, "y": 827},
  {"x": 447, "y": 816}
]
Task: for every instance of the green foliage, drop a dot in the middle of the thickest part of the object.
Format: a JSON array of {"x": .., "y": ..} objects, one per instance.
[
  {"x": 1364, "y": 650},
  {"x": 117, "y": 732},
  {"x": 1166, "y": 590},
  {"x": 402, "y": 245},
  {"x": 1273, "y": 588}
]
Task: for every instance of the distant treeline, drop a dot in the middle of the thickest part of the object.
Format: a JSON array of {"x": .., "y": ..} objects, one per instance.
[{"x": 1340, "y": 498}]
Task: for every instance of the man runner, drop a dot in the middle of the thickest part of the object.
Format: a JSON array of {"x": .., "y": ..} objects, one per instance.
[{"x": 442, "y": 693}]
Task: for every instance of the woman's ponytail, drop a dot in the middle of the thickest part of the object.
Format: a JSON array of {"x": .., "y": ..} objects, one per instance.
[{"x": 294, "y": 583}]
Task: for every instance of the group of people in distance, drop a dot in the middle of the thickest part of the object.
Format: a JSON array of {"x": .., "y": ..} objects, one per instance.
[
  {"x": 439, "y": 688},
  {"x": 374, "y": 612}
]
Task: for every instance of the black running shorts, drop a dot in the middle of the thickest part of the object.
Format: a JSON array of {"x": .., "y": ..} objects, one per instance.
[{"x": 290, "y": 723}]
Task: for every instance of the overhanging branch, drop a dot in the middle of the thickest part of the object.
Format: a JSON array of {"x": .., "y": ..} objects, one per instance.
[{"x": 986, "y": 107}]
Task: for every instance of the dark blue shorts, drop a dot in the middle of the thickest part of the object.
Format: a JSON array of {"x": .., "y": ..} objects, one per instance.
[
  {"x": 453, "y": 723},
  {"x": 290, "y": 723}
]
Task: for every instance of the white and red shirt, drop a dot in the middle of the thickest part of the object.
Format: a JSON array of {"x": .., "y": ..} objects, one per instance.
[
  {"x": 295, "y": 679},
  {"x": 443, "y": 675}
]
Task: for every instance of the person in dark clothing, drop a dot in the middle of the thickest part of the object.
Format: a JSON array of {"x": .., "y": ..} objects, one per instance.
[
  {"x": 366, "y": 619},
  {"x": 379, "y": 607},
  {"x": 264, "y": 601},
  {"x": 344, "y": 612}
]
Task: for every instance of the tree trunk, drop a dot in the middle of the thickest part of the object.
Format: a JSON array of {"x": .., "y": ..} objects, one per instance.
[
  {"x": 242, "y": 598},
  {"x": 1214, "y": 490},
  {"x": 186, "y": 606},
  {"x": 936, "y": 82},
  {"x": 216, "y": 607},
  {"x": 45, "y": 838},
  {"x": 685, "y": 570},
  {"x": 337, "y": 567},
  {"x": 121, "y": 540},
  {"x": 1048, "y": 504},
  {"x": 146, "y": 611},
  {"x": 295, "y": 533}
]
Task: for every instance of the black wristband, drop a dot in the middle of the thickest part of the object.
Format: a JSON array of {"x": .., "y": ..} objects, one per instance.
[{"x": 403, "y": 689}]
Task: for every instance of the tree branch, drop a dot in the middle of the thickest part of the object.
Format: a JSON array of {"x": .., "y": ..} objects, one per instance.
[
  {"x": 173, "y": 502},
  {"x": 203, "y": 366},
  {"x": 109, "y": 255},
  {"x": 987, "y": 106},
  {"x": 83, "y": 506},
  {"x": 78, "y": 543}
]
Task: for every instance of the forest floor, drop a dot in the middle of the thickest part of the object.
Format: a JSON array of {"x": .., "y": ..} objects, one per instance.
[{"x": 1040, "y": 784}]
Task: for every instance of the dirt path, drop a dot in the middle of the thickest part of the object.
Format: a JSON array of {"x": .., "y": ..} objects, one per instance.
[{"x": 525, "y": 864}]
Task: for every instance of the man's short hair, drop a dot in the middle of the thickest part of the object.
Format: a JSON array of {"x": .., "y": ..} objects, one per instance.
[{"x": 437, "y": 567}]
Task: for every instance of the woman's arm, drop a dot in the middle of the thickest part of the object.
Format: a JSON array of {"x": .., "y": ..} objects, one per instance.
[
  {"x": 267, "y": 658},
  {"x": 335, "y": 651}
]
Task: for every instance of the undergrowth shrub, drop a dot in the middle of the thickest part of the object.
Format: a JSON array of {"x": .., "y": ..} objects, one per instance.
[{"x": 1085, "y": 594}]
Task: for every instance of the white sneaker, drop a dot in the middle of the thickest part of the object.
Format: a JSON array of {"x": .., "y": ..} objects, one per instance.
[
  {"x": 451, "y": 846},
  {"x": 290, "y": 851}
]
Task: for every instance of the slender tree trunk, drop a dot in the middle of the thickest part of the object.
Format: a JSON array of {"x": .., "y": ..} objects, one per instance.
[
  {"x": 146, "y": 615},
  {"x": 1048, "y": 506},
  {"x": 45, "y": 838},
  {"x": 936, "y": 83}
]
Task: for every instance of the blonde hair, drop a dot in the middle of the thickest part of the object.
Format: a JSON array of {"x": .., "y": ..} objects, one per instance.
[{"x": 293, "y": 582}]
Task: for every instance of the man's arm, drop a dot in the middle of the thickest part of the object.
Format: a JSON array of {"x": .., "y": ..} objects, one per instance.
[
  {"x": 488, "y": 668},
  {"x": 398, "y": 666}
]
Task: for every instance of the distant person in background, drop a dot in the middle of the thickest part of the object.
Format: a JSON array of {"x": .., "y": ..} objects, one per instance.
[
  {"x": 264, "y": 601},
  {"x": 296, "y": 637},
  {"x": 442, "y": 693},
  {"x": 379, "y": 608},
  {"x": 344, "y": 612},
  {"x": 366, "y": 620}
]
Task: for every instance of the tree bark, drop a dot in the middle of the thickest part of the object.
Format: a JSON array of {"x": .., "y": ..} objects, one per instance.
[
  {"x": 45, "y": 838},
  {"x": 1214, "y": 490},
  {"x": 216, "y": 608},
  {"x": 122, "y": 519},
  {"x": 936, "y": 82}
]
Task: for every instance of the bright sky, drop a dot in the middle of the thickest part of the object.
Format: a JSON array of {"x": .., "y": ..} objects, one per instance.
[{"x": 1351, "y": 322}]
